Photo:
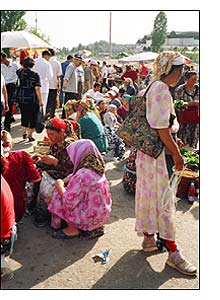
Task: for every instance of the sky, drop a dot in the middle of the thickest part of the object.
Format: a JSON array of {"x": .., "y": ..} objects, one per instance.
[{"x": 69, "y": 28}]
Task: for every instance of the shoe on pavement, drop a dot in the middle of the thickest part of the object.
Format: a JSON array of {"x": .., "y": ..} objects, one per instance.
[
  {"x": 178, "y": 262},
  {"x": 149, "y": 244}
]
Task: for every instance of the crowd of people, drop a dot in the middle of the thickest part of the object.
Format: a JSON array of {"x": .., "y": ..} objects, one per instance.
[{"x": 70, "y": 192}]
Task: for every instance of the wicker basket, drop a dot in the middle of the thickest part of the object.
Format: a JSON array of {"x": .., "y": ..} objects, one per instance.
[{"x": 183, "y": 187}]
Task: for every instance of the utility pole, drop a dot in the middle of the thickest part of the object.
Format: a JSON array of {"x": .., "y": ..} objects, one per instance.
[
  {"x": 110, "y": 35},
  {"x": 36, "y": 20}
]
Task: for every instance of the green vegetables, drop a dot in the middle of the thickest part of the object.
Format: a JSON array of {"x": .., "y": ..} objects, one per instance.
[
  {"x": 191, "y": 159},
  {"x": 180, "y": 105}
]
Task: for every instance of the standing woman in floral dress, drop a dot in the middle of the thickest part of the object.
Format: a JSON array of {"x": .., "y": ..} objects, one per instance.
[{"x": 152, "y": 174}]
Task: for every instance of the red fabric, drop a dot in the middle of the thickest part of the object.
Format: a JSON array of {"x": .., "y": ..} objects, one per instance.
[
  {"x": 7, "y": 209},
  {"x": 143, "y": 71},
  {"x": 58, "y": 123},
  {"x": 35, "y": 55},
  {"x": 130, "y": 74},
  {"x": 74, "y": 124},
  {"x": 189, "y": 115},
  {"x": 20, "y": 170},
  {"x": 23, "y": 54},
  {"x": 122, "y": 112},
  {"x": 171, "y": 245}
]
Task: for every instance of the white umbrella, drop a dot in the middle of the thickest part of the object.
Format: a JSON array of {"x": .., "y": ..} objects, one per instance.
[
  {"x": 21, "y": 39},
  {"x": 140, "y": 57}
]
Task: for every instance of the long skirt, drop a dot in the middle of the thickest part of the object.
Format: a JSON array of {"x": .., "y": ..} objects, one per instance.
[{"x": 152, "y": 180}]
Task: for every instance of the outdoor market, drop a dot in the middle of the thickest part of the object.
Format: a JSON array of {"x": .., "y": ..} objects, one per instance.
[{"x": 99, "y": 167}]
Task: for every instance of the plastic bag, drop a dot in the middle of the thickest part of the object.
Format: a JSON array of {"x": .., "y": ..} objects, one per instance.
[
  {"x": 169, "y": 199},
  {"x": 40, "y": 123},
  {"x": 47, "y": 187}
]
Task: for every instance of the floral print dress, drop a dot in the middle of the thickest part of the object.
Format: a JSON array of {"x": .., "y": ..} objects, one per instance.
[
  {"x": 152, "y": 174},
  {"x": 86, "y": 202}
]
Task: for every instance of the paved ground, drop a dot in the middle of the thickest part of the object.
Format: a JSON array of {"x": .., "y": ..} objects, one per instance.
[{"x": 41, "y": 262}]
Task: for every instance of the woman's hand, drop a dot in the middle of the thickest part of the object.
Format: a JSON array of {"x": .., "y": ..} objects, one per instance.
[
  {"x": 36, "y": 158},
  {"x": 59, "y": 184},
  {"x": 41, "y": 103},
  {"x": 178, "y": 161},
  {"x": 6, "y": 108},
  {"x": 180, "y": 143},
  {"x": 49, "y": 160}
]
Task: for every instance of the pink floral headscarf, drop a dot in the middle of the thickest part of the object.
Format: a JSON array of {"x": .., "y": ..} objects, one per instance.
[{"x": 84, "y": 153}]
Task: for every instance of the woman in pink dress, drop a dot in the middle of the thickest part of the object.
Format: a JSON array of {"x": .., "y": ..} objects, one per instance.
[
  {"x": 85, "y": 202},
  {"x": 152, "y": 174}
]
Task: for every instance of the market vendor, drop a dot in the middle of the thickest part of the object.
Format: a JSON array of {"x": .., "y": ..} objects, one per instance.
[{"x": 57, "y": 163}]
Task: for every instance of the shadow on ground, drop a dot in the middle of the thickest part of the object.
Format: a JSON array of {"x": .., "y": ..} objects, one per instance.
[
  {"x": 134, "y": 270},
  {"x": 45, "y": 256},
  {"x": 184, "y": 206},
  {"x": 123, "y": 204}
]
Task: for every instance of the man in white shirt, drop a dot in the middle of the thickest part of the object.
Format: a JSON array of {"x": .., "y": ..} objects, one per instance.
[
  {"x": 45, "y": 71},
  {"x": 70, "y": 83},
  {"x": 94, "y": 93},
  {"x": 8, "y": 70},
  {"x": 54, "y": 85}
]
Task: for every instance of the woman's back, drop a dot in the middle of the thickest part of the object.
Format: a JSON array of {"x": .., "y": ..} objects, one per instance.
[
  {"x": 92, "y": 128},
  {"x": 27, "y": 82}
]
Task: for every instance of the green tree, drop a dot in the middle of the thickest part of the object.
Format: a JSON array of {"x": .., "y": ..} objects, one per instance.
[
  {"x": 159, "y": 33},
  {"x": 12, "y": 20}
]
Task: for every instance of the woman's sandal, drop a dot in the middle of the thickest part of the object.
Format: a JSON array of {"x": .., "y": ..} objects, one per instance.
[
  {"x": 95, "y": 233},
  {"x": 60, "y": 234}
]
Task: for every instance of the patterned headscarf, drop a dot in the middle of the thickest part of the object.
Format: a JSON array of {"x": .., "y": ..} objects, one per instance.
[
  {"x": 84, "y": 153},
  {"x": 57, "y": 124},
  {"x": 71, "y": 105},
  {"x": 164, "y": 62}
]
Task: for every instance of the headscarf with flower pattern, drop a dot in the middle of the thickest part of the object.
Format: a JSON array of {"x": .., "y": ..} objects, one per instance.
[
  {"x": 85, "y": 154},
  {"x": 164, "y": 62},
  {"x": 71, "y": 105}
]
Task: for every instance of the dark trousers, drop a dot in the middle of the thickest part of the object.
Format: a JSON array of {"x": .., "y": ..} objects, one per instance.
[
  {"x": 68, "y": 96},
  {"x": 104, "y": 84},
  {"x": 80, "y": 90},
  {"x": 51, "y": 103},
  {"x": 10, "y": 87}
]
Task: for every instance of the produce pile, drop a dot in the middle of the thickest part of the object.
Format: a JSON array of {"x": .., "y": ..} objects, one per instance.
[
  {"x": 191, "y": 159},
  {"x": 180, "y": 105}
]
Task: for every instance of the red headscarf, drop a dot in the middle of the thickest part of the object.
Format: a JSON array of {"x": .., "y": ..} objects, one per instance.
[{"x": 56, "y": 124}]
